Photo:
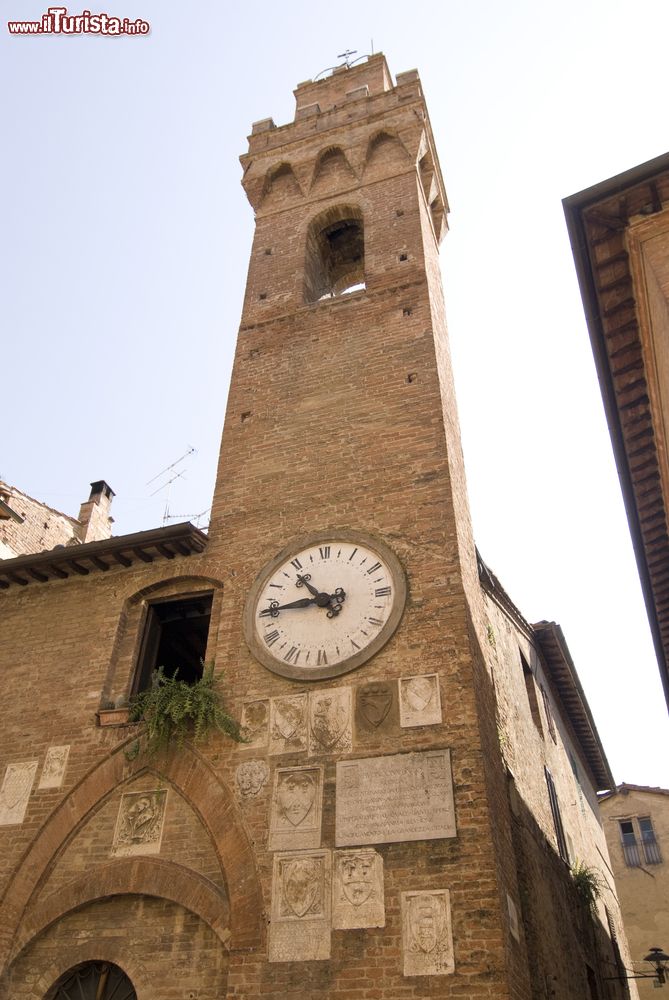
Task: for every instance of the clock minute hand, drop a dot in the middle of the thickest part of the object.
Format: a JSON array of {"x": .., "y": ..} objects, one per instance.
[{"x": 271, "y": 611}]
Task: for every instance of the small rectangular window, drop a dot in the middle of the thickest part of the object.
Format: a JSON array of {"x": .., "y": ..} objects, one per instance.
[
  {"x": 531, "y": 689},
  {"x": 630, "y": 846},
  {"x": 175, "y": 638},
  {"x": 557, "y": 817},
  {"x": 549, "y": 714}
]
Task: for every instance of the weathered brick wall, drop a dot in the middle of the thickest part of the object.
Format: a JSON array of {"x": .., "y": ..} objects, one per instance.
[
  {"x": 165, "y": 950},
  {"x": 42, "y": 528},
  {"x": 549, "y": 905}
]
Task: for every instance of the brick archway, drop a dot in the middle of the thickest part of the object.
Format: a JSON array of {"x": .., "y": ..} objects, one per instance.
[
  {"x": 130, "y": 876},
  {"x": 92, "y": 951},
  {"x": 211, "y": 800}
]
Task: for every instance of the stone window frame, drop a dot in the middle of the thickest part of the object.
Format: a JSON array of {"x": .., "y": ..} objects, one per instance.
[{"x": 121, "y": 679}]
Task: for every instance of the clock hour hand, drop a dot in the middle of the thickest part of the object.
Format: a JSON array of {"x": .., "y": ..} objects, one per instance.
[
  {"x": 273, "y": 610},
  {"x": 332, "y": 602},
  {"x": 321, "y": 599}
]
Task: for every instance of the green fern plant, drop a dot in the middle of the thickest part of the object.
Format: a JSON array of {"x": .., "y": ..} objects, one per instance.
[
  {"x": 175, "y": 711},
  {"x": 588, "y": 884}
]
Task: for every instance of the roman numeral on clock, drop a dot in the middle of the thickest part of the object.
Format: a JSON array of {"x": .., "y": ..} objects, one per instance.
[
  {"x": 373, "y": 569},
  {"x": 382, "y": 592},
  {"x": 322, "y": 658},
  {"x": 293, "y": 655},
  {"x": 375, "y": 621},
  {"x": 324, "y": 551},
  {"x": 296, "y": 563},
  {"x": 271, "y": 637}
]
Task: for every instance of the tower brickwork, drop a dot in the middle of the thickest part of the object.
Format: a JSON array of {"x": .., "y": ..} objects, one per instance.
[{"x": 362, "y": 841}]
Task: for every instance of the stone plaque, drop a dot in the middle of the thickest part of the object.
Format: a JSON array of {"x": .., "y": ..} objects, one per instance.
[
  {"x": 513, "y": 917},
  {"x": 376, "y": 709},
  {"x": 330, "y": 729},
  {"x": 53, "y": 771},
  {"x": 139, "y": 827},
  {"x": 300, "y": 926},
  {"x": 357, "y": 889},
  {"x": 288, "y": 724},
  {"x": 385, "y": 800},
  {"x": 255, "y": 724},
  {"x": 251, "y": 777},
  {"x": 15, "y": 792},
  {"x": 420, "y": 701},
  {"x": 427, "y": 938},
  {"x": 295, "y": 821}
]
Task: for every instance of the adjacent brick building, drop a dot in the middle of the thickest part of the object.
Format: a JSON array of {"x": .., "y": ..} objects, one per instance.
[{"x": 420, "y": 766}]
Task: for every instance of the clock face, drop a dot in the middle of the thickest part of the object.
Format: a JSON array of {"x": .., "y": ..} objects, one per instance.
[{"x": 324, "y": 605}]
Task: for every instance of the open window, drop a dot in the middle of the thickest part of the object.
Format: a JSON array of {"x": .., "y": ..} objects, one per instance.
[
  {"x": 175, "y": 638},
  {"x": 335, "y": 254},
  {"x": 531, "y": 689}
]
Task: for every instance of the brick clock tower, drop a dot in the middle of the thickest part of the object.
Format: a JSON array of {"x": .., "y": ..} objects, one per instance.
[
  {"x": 341, "y": 512},
  {"x": 391, "y": 827}
]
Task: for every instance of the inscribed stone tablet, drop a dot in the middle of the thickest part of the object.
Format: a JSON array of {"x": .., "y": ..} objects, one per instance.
[{"x": 385, "y": 800}]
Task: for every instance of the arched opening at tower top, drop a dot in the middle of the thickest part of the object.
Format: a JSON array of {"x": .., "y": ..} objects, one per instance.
[{"x": 335, "y": 254}]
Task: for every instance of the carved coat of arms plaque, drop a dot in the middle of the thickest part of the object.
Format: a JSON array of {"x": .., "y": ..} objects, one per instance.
[
  {"x": 255, "y": 724},
  {"x": 15, "y": 792},
  {"x": 357, "y": 889},
  {"x": 139, "y": 827},
  {"x": 330, "y": 729},
  {"x": 300, "y": 926},
  {"x": 420, "y": 702},
  {"x": 288, "y": 724},
  {"x": 427, "y": 940}
]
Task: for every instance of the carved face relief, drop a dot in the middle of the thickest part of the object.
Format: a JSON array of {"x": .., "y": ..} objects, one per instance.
[
  {"x": 374, "y": 701},
  {"x": 295, "y": 796},
  {"x": 251, "y": 776},
  {"x": 302, "y": 886}
]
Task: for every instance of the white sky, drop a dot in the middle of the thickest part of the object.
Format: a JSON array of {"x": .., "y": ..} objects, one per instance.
[{"x": 126, "y": 235}]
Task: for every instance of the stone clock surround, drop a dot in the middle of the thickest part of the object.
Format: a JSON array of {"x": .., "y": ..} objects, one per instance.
[{"x": 347, "y": 536}]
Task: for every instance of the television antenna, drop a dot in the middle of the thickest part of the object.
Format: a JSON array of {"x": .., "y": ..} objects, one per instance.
[{"x": 172, "y": 472}]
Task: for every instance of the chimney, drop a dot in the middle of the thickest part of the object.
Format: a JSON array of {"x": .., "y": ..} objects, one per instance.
[{"x": 94, "y": 519}]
